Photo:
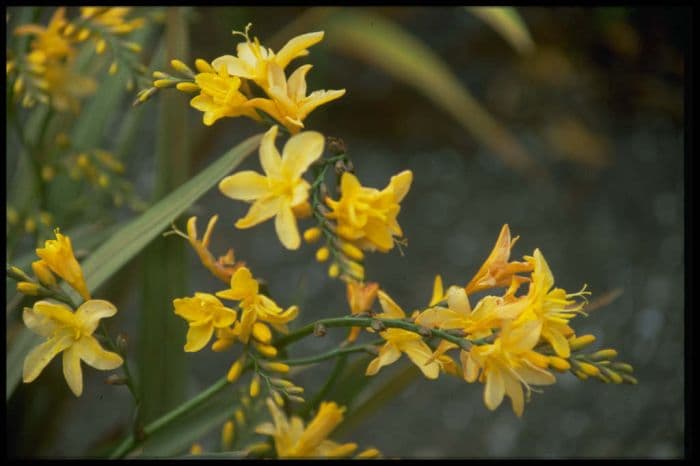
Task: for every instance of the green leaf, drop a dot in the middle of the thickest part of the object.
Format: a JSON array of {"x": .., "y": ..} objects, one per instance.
[
  {"x": 114, "y": 253},
  {"x": 161, "y": 332},
  {"x": 507, "y": 22}
]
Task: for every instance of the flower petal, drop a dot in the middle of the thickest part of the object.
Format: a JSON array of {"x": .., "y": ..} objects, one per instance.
[
  {"x": 458, "y": 301},
  {"x": 515, "y": 391},
  {"x": 94, "y": 355},
  {"x": 421, "y": 355},
  {"x": 198, "y": 336},
  {"x": 72, "y": 370},
  {"x": 495, "y": 389},
  {"x": 263, "y": 209},
  {"x": 297, "y": 83},
  {"x": 286, "y": 227},
  {"x": 387, "y": 355},
  {"x": 400, "y": 184},
  {"x": 244, "y": 186},
  {"x": 301, "y": 151},
  {"x": 438, "y": 292},
  {"x": 270, "y": 158},
  {"x": 38, "y": 323},
  {"x": 234, "y": 66},
  {"x": 41, "y": 356},
  {"x": 390, "y": 308},
  {"x": 296, "y": 47},
  {"x": 90, "y": 313}
]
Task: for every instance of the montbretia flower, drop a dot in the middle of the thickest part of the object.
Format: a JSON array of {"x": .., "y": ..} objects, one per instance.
[
  {"x": 252, "y": 60},
  {"x": 58, "y": 256},
  {"x": 203, "y": 313},
  {"x": 507, "y": 363},
  {"x": 367, "y": 216},
  {"x": 282, "y": 189},
  {"x": 402, "y": 341},
  {"x": 256, "y": 307},
  {"x": 220, "y": 96},
  {"x": 71, "y": 333},
  {"x": 293, "y": 440},
  {"x": 288, "y": 103}
]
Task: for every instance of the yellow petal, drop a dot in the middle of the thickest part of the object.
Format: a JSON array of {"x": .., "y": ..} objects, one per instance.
[
  {"x": 301, "y": 151},
  {"x": 559, "y": 343},
  {"x": 458, "y": 301},
  {"x": 246, "y": 325},
  {"x": 72, "y": 371},
  {"x": 243, "y": 285},
  {"x": 266, "y": 428},
  {"x": 263, "y": 209},
  {"x": 535, "y": 376},
  {"x": 515, "y": 391},
  {"x": 421, "y": 355},
  {"x": 198, "y": 336},
  {"x": 390, "y": 308},
  {"x": 270, "y": 158},
  {"x": 90, "y": 313},
  {"x": 378, "y": 233},
  {"x": 286, "y": 227},
  {"x": 437, "y": 291},
  {"x": 90, "y": 351},
  {"x": 387, "y": 355},
  {"x": 318, "y": 98},
  {"x": 39, "y": 357},
  {"x": 297, "y": 83},
  {"x": 38, "y": 323},
  {"x": 244, "y": 186},
  {"x": 60, "y": 314},
  {"x": 400, "y": 184},
  {"x": 494, "y": 389},
  {"x": 234, "y": 66},
  {"x": 470, "y": 370},
  {"x": 296, "y": 47}
]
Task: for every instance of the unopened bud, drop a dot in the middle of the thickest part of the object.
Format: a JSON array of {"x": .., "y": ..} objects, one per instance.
[
  {"x": 262, "y": 333},
  {"x": 202, "y": 66},
  {"x": 369, "y": 453},
  {"x": 43, "y": 273},
  {"x": 240, "y": 417},
  {"x": 623, "y": 366},
  {"x": 113, "y": 68},
  {"x": 164, "y": 83},
  {"x": 279, "y": 401},
  {"x": 257, "y": 448},
  {"x": 629, "y": 379},
  {"x": 227, "y": 433},
  {"x": 280, "y": 367},
  {"x": 559, "y": 364},
  {"x": 312, "y": 235},
  {"x": 352, "y": 251},
  {"x": 322, "y": 255},
  {"x": 17, "y": 273},
  {"x": 589, "y": 369},
  {"x": 28, "y": 288},
  {"x": 187, "y": 87},
  {"x": 83, "y": 35},
  {"x": 333, "y": 271},
  {"x": 613, "y": 376},
  {"x": 196, "y": 449},
  {"x": 295, "y": 390},
  {"x": 181, "y": 67},
  {"x": 235, "y": 371},
  {"x": 578, "y": 343},
  {"x": 604, "y": 354},
  {"x": 266, "y": 350},
  {"x": 581, "y": 375},
  {"x": 255, "y": 386},
  {"x": 296, "y": 399},
  {"x": 100, "y": 46}
]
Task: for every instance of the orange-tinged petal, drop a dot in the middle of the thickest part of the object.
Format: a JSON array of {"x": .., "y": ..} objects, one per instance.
[
  {"x": 244, "y": 186},
  {"x": 388, "y": 354},
  {"x": 390, "y": 308}
]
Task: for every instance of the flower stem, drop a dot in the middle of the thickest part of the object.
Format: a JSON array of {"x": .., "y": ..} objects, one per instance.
[{"x": 332, "y": 354}]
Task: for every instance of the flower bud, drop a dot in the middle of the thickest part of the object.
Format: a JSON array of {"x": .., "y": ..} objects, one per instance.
[
  {"x": 262, "y": 333},
  {"x": 43, "y": 273},
  {"x": 559, "y": 364},
  {"x": 235, "y": 371},
  {"x": 181, "y": 67},
  {"x": 240, "y": 417},
  {"x": 28, "y": 288},
  {"x": 589, "y": 369},
  {"x": 227, "y": 433},
  {"x": 352, "y": 251},
  {"x": 333, "y": 270},
  {"x": 604, "y": 354},
  {"x": 266, "y": 350},
  {"x": 196, "y": 449},
  {"x": 255, "y": 386},
  {"x": 577, "y": 343},
  {"x": 322, "y": 254},
  {"x": 187, "y": 87},
  {"x": 312, "y": 235},
  {"x": 280, "y": 367}
]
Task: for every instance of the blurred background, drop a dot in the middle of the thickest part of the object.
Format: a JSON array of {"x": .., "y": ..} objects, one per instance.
[{"x": 572, "y": 134}]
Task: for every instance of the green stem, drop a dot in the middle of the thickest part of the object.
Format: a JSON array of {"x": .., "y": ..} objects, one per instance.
[
  {"x": 332, "y": 354},
  {"x": 332, "y": 377},
  {"x": 352, "y": 321}
]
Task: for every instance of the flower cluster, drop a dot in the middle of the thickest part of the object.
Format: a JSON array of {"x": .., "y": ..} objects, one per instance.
[
  {"x": 506, "y": 341},
  {"x": 66, "y": 331},
  {"x": 223, "y": 86},
  {"x": 48, "y": 72}
]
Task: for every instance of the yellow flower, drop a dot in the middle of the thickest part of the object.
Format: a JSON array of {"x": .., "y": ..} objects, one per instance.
[
  {"x": 253, "y": 59},
  {"x": 290, "y": 105},
  {"x": 507, "y": 363},
  {"x": 226, "y": 265},
  {"x": 496, "y": 270},
  {"x": 220, "y": 96},
  {"x": 58, "y": 256},
  {"x": 402, "y": 341},
  {"x": 66, "y": 87},
  {"x": 293, "y": 440},
  {"x": 204, "y": 313},
  {"x": 49, "y": 42},
  {"x": 367, "y": 216},
  {"x": 552, "y": 306},
  {"x": 71, "y": 333},
  {"x": 113, "y": 19},
  {"x": 282, "y": 189},
  {"x": 255, "y": 306},
  {"x": 361, "y": 297}
]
